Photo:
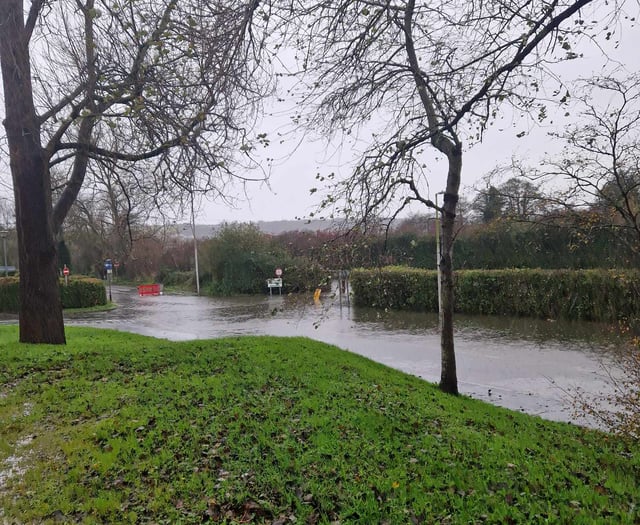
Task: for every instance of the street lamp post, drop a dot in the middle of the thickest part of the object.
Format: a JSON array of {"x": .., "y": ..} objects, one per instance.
[
  {"x": 4, "y": 234},
  {"x": 438, "y": 257},
  {"x": 195, "y": 245}
]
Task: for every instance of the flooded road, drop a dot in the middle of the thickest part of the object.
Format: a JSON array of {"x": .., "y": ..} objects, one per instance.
[{"x": 522, "y": 364}]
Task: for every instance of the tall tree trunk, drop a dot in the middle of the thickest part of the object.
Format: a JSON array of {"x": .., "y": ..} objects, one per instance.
[
  {"x": 448, "y": 372},
  {"x": 40, "y": 306},
  {"x": 450, "y": 146}
]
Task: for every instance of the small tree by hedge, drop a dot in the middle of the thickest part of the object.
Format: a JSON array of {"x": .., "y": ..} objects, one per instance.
[{"x": 240, "y": 259}]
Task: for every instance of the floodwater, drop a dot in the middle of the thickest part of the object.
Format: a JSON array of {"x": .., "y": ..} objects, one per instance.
[{"x": 523, "y": 364}]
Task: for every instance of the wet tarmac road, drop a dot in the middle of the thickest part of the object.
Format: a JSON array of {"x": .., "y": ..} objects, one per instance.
[{"x": 525, "y": 365}]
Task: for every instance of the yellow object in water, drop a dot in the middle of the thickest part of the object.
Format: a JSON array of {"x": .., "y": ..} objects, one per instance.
[{"x": 316, "y": 294}]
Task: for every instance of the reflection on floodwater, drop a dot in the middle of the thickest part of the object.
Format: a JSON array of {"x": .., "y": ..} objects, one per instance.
[{"x": 522, "y": 364}]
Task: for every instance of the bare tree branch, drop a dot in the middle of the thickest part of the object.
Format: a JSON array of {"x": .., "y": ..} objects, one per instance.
[{"x": 34, "y": 13}]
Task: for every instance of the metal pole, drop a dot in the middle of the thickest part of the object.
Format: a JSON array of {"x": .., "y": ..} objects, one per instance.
[
  {"x": 347, "y": 290},
  {"x": 195, "y": 245},
  {"x": 4, "y": 249},
  {"x": 438, "y": 257}
]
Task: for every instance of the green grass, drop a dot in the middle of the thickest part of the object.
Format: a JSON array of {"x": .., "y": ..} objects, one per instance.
[
  {"x": 89, "y": 309},
  {"x": 128, "y": 429}
]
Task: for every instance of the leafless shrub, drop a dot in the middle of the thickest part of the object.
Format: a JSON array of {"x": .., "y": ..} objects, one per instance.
[{"x": 617, "y": 410}]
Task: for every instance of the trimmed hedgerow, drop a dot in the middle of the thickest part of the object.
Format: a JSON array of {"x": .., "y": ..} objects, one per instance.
[
  {"x": 81, "y": 292},
  {"x": 591, "y": 295},
  {"x": 9, "y": 294},
  {"x": 395, "y": 287}
]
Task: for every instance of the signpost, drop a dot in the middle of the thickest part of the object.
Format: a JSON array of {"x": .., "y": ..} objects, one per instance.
[
  {"x": 65, "y": 272},
  {"x": 4, "y": 234},
  {"x": 275, "y": 283},
  {"x": 108, "y": 266},
  {"x": 343, "y": 286}
]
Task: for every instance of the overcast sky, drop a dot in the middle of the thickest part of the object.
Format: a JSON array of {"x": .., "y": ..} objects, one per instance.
[{"x": 287, "y": 195}]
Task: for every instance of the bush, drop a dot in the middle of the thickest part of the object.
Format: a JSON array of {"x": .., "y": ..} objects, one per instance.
[
  {"x": 301, "y": 275},
  {"x": 590, "y": 295},
  {"x": 395, "y": 287},
  {"x": 81, "y": 292},
  {"x": 176, "y": 278},
  {"x": 619, "y": 410},
  {"x": 512, "y": 244},
  {"x": 241, "y": 258},
  {"x": 9, "y": 294},
  {"x": 238, "y": 260}
]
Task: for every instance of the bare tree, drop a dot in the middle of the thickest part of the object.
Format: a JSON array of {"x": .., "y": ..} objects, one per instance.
[
  {"x": 618, "y": 410},
  {"x": 517, "y": 198},
  {"x": 112, "y": 210},
  {"x": 600, "y": 162},
  {"x": 421, "y": 79},
  {"x": 488, "y": 204},
  {"x": 6, "y": 213},
  {"x": 85, "y": 81}
]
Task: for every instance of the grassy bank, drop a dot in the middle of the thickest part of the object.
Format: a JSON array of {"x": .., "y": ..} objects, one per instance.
[{"x": 118, "y": 428}]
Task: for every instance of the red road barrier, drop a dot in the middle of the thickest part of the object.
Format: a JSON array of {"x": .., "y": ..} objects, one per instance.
[{"x": 149, "y": 289}]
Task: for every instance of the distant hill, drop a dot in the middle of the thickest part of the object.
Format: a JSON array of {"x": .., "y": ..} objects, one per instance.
[
  {"x": 205, "y": 231},
  {"x": 276, "y": 227}
]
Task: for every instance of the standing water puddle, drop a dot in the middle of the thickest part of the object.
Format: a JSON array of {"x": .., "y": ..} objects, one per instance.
[{"x": 522, "y": 364}]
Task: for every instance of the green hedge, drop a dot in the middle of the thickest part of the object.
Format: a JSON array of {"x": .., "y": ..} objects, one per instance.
[
  {"x": 505, "y": 244},
  {"x": 396, "y": 288},
  {"x": 591, "y": 295},
  {"x": 176, "y": 278},
  {"x": 81, "y": 292},
  {"x": 9, "y": 301}
]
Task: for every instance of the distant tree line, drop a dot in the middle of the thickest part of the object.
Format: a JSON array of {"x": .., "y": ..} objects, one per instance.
[
  {"x": 241, "y": 257},
  {"x": 511, "y": 224},
  {"x": 512, "y": 244}
]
